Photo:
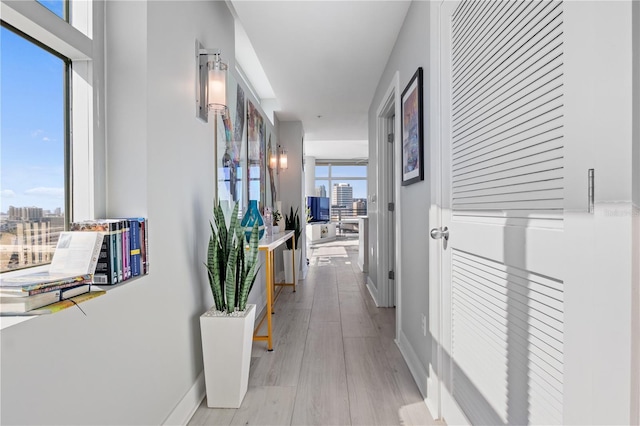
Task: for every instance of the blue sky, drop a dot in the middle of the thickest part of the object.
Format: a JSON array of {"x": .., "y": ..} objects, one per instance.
[{"x": 32, "y": 124}]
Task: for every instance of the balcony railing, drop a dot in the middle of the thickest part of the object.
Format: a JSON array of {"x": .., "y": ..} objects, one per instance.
[{"x": 347, "y": 218}]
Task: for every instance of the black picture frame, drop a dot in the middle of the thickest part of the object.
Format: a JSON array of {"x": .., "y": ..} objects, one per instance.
[{"x": 412, "y": 130}]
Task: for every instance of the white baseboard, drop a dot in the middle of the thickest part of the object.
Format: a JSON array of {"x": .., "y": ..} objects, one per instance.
[
  {"x": 372, "y": 291},
  {"x": 432, "y": 393},
  {"x": 416, "y": 368},
  {"x": 185, "y": 409},
  {"x": 362, "y": 266}
]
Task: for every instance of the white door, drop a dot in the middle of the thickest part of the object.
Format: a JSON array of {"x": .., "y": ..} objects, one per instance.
[{"x": 504, "y": 181}]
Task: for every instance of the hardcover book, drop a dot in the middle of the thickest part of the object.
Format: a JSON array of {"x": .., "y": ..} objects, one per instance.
[
  {"x": 126, "y": 250},
  {"x": 67, "y": 303},
  {"x": 9, "y": 305},
  {"x": 106, "y": 269},
  {"x": 74, "y": 259},
  {"x": 40, "y": 282},
  {"x": 21, "y": 304},
  {"x": 135, "y": 225}
]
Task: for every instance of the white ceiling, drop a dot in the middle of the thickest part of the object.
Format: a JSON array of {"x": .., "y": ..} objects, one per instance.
[
  {"x": 323, "y": 59},
  {"x": 337, "y": 150}
]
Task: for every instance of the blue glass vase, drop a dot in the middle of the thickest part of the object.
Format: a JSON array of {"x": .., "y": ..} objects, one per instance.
[{"x": 250, "y": 217}]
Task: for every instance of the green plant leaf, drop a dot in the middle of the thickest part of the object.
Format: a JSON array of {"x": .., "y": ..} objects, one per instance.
[
  {"x": 230, "y": 281},
  {"x": 248, "y": 266},
  {"x": 232, "y": 226},
  {"x": 222, "y": 228},
  {"x": 213, "y": 270}
]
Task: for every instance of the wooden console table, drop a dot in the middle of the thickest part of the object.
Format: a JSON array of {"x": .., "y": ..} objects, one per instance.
[{"x": 268, "y": 244}]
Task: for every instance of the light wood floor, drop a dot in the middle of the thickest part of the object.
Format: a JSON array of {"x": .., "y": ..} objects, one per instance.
[{"x": 334, "y": 360}]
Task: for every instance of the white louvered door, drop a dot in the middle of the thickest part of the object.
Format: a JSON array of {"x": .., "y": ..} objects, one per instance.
[{"x": 503, "y": 156}]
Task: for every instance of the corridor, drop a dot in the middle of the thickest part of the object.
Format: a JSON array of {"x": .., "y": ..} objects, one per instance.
[{"x": 334, "y": 360}]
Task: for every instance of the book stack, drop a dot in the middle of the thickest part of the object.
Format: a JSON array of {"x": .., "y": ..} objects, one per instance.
[
  {"x": 68, "y": 277},
  {"x": 124, "y": 251}
]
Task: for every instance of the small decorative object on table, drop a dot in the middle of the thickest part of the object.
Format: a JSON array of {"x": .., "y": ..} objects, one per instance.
[
  {"x": 252, "y": 216},
  {"x": 268, "y": 220},
  {"x": 276, "y": 221},
  {"x": 227, "y": 328}
]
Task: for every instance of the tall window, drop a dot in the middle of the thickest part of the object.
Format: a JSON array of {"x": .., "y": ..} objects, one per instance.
[
  {"x": 59, "y": 7},
  {"x": 346, "y": 185},
  {"x": 34, "y": 146}
]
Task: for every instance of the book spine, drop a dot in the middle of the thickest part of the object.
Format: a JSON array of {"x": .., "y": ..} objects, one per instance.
[
  {"x": 105, "y": 272},
  {"x": 134, "y": 225},
  {"x": 84, "y": 279},
  {"x": 144, "y": 245},
  {"x": 126, "y": 250},
  {"x": 95, "y": 256},
  {"x": 70, "y": 292},
  {"x": 117, "y": 249}
]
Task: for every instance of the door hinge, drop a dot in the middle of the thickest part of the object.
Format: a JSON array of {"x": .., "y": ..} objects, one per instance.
[
  {"x": 390, "y": 138},
  {"x": 392, "y": 207},
  {"x": 392, "y": 275}
]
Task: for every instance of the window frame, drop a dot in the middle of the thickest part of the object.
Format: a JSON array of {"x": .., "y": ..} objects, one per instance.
[
  {"x": 338, "y": 179},
  {"x": 69, "y": 40}
]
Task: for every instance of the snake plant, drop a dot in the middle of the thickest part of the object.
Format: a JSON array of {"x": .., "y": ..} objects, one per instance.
[{"x": 231, "y": 268}]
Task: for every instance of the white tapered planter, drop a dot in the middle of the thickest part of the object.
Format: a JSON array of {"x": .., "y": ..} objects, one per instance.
[
  {"x": 226, "y": 352},
  {"x": 288, "y": 267}
]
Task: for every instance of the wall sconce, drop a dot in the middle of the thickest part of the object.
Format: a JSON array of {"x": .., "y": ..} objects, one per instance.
[
  {"x": 211, "y": 82},
  {"x": 273, "y": 160},
  {"x": 278, "y": 160},
  {"x": 282, "y": 157}
]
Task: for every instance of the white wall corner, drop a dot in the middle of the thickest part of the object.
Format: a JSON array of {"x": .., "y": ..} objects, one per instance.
[{"x": 372, "y": 291}]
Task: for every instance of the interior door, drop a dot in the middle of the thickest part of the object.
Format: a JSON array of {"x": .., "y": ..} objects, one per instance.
[
  {"x": 503, "y": 184},
  {"x": 391, "y": 224}
]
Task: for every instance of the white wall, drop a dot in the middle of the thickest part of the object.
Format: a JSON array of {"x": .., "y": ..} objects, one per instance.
[
  {"x": 137, "y": 352},
  {"x": 291, "y": 134},
  {"x": 412, "y": 203},
  {"x": 309, "y": 176},
  {"x": 635, "y": 359}
]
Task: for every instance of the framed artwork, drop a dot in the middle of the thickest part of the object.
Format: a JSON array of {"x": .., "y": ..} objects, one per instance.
[
  {"x": 256, "y": 147},
  {"x": 229, "y": 148},
  {"x": 412, "y": 131}
]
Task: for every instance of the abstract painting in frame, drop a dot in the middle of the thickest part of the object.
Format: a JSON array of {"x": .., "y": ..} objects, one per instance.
[
  {"x": 412, "y": 131},
  {"x": 230, "y": 154},
  {"x": 256, "y": 153}
]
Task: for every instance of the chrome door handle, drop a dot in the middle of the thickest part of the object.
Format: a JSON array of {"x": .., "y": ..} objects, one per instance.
[{"x": 438, "y": 233}]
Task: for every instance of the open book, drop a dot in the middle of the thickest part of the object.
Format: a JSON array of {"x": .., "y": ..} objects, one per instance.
[{"x": 74, "y": 262}]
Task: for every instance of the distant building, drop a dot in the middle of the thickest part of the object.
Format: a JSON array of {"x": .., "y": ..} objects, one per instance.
[
  {"x": 360, "y": 206},
  {"x": 321, "y": 191},
  {"x": 342, "y": 195},
  {"x": 25, "y": 213},
  {"x": 28, "y": 238}
]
